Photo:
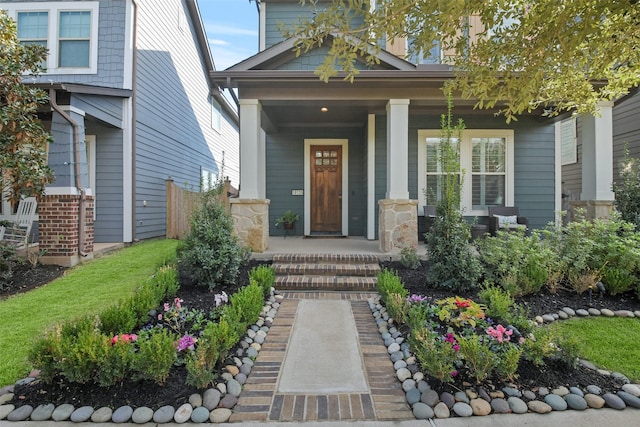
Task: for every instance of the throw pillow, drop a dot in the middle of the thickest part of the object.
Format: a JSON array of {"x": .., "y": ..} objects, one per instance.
[{"x": 506, "y": 220}]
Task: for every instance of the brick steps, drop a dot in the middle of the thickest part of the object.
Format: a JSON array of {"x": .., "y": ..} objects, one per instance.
[{"x": 326, "y": 272}]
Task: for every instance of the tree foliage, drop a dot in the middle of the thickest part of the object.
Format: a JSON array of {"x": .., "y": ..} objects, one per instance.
[
  {"x": 516, "y": 55},
  {"x": 23, "y": 140}
]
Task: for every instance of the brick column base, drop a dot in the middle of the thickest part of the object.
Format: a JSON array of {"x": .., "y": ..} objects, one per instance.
[
  {"x": 251, "y": 222},
  {"x": 397, "y": 224},
  {"x": 58, "y": 229}
]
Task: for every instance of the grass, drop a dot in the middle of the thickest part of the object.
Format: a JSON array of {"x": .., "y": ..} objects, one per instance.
[
  {"x": 609, "y": 343},
  {"x": 85, "y": 289}
]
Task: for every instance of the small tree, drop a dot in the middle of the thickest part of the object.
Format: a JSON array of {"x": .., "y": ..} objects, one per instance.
[
  {"x": 627, "y": 200},
  {"x": 452, "y": 264},
  {"x": 23, "y": 140}
]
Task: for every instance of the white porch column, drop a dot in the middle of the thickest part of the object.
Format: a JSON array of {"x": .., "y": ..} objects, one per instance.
[
  {"x": 398, "y": 149},
  {"x": 597, "y": 164},
  {"x": 252, "y": 154},
  {"x": 597, "y": 154}
]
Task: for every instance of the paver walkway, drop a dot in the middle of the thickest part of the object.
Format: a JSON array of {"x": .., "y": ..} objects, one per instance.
[{"x": 381, "y": 398}]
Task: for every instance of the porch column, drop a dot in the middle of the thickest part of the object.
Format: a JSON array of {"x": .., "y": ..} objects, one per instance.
[
  {"x": 398, "y": 149},
  {"x": 597, "y": 164},
  {"x": 250, "y": 212},
  {"x": 398, "y": 215},
  {"x": 252, "y": 155}
]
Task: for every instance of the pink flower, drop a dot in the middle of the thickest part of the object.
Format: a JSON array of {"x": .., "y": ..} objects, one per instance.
[
  {"x": 500, "y": 333},
  {"x": 166, "y": 306},
  {"x": 159, "y": 316},
  {"x": 454, "y": 373},
  {"x": 186, "y": 342},
  {"x": 126, "y": 338},
  {"x": 178, "y": 302}
]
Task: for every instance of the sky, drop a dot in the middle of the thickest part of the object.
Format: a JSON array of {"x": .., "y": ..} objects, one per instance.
[{"x": 232, "y": 30}]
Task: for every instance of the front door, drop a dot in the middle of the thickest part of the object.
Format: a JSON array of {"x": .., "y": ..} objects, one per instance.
[{"x": 326, "y": 189}]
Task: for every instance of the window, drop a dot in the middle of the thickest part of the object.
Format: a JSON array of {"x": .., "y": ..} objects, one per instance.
[
  {"x": 74, "y": 38},
  {"x": 68, "y": 29},
  {"x": 216, "y": 115},
  {"x": 486, "y": 157},
  {"x": 568, "y": 141}
]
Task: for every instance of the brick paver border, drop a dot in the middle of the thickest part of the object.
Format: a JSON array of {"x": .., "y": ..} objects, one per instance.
[{"x": 260, "y": 401}]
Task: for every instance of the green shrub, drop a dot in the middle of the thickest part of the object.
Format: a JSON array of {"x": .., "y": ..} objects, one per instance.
[
  {"x": 617, "y": 280},
  {"x": 539, "y": 346},
  {"x": 478, "y": 356},
  {"x": 200, "y": 368},
  {"x": 508, "y": 361},
  {"x": 498, "y": 301},
  {"x": 115, "y": 363},
  {"x": 389, "y": 283},
  {"x": 156, "y": 355},
  {"x": 211, "y": 254},
  {"x": 409, "y": 258},
  {"x": 46, "y": 354},
  {"x": 627, "y": 200},
  {"x": 244, "y": 307},
  {"x": 436, "y": 356},
  {"x": 8, "y": 260},
  {"x": 81, "y": 353},
  {"x": 265, "y": 277},
  {"x": 519, "y": 318},
  {"x": 118, "y": 319},
  {"x": 398, "y": 307}
]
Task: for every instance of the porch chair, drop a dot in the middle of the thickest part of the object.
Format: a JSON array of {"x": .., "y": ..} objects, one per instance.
[
  {"x": 427, "y": 221},
  {"x": 506, "y": 218},
  {"x": 17, "y": 233}
]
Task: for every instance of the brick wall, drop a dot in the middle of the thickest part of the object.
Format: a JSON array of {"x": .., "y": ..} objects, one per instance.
[{"x": 58, "y": 225}]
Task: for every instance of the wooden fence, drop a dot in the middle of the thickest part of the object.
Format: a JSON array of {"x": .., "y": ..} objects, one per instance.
[{"x": 181, "y": 204}]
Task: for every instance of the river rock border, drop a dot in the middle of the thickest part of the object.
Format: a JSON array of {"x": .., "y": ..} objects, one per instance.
[
  {"x": 215, "y": 405},
  {"x": 427, "y": 403}
]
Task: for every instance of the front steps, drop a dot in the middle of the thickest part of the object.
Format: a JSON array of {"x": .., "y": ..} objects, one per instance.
[{"x": 326, "y": 272}]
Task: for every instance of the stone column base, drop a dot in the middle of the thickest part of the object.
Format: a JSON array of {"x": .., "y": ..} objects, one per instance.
[
  {"x": 251, "y": 222},
  {"x": 593, "y": 209},
  {"x": 397, "y": 224}
]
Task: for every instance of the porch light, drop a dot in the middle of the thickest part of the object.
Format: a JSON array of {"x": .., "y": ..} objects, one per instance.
[{"x": 324, "y": 109}]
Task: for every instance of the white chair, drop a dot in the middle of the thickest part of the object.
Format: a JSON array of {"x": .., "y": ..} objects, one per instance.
[{"x": 17, "y": 233}]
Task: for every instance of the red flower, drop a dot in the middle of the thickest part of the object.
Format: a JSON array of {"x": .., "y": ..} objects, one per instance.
[{"x": 462, "y": 303}]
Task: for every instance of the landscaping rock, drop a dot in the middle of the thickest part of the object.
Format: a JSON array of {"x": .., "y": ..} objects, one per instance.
[
  {"x": 623, "y": 313},
  {"x": 461, "y": 396},
  {"x": 63, "y": 412},
  {"x": 408, "y": 384},
  {"x": 528, "y": 394},
  {"x": 517, "y": 405},
  {"x": 594, "y": 401},
  {"x": 228, "y": 401},
  {"x": 569, "y": 311},
  {"x": 560, "y": 391},
  {"x": 606, "y": 312},
  {"x": 482, "y": 393},
  {"x": 480, "y": 407},
  {"x": 122, "y": 414},
  {"x": 164, "y": 414},
  {"x": 556, "y": 402},
  {"x": 462, "y": 409},
  {"x": 195, "y": 400},
  {"x": 576, "y": 390},
  {"x": 6, "y": 410},
  {"x": 413, "y": 396},
  {"x": 582, "y": 312},
  {"x": 629, "y": 399},
  {"x": 43, "y": 412},
  {"x": 81, "y": 414},
  {"x": 441, "y": 410},
  {"x": 430, "y": 397},
  {"x": 200, "y": 415},
  {"x": 234, "y": 387},
  {"x": 448, "y": 399},
  {"x": 632, "y": 389},
  {"x": 547, "y": 318},
  {"x": 399, "y": 365},
  {"x": 613, "y": 401},
  {"x": 211, "y": 399},
  {"x": 5, "y": 398},
  {"x": 594, "y": 389},
  {"x": 594, "y": 312},
  {"x": 576, "y": 402},
  {"x": 403, "y": 374},
  {"x": 142, "y": 415},
  {"x": 562, "y": 315},
  {"x": 539, "y": 407},
  {"x": 543, "y": 391},
  {"x": 21, "y": 413},
  {"x": 183, "y": 413},
  {"x": 220, "y": 415},
  {"x": 501, "y": 406},
  {"x": 422, "y": 411},
  {"x": 102, "y": 415},
  {"x": 510, "y": 391}
]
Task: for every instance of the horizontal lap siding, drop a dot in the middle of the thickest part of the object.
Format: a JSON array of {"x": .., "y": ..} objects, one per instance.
[
  {"x": 626, "y": 131},
  {"x": 285, "y": 172},
  {"x": 174, "y": 133}
]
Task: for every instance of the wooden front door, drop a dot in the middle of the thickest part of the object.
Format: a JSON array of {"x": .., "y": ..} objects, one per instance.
[{"x": 326, "y": 189}]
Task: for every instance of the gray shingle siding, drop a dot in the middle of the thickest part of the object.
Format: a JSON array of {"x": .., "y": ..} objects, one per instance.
[{"x": 626, "y": 131}]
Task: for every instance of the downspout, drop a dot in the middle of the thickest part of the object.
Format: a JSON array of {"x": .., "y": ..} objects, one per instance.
[
  {"x": 76, "y": 169},
  {"x": 134, "y": 80},
  {"x": 233, "y": 94}
]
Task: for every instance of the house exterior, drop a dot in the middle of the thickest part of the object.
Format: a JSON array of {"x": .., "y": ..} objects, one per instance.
[
  {"x": 580, "y": 167},
  {"x": 359, "y": 159},
  {"x": 131, "y": 106}
]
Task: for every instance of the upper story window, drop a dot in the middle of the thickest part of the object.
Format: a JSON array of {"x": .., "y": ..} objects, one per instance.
[
  {"x": 486, "y": 157},
  {"x": 68, "y": 29}
]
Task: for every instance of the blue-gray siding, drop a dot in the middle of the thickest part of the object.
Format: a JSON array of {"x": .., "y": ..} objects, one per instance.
[{"x": 626, "y": 131}]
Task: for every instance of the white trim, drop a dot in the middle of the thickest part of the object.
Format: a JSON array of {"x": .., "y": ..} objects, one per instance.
[
  {"x": 262, "y": 30},
  {"x": 72, "y": 109},
  {"x": 127, "y": 171},
  {"x": 66, "y": 191},
  {"x": 129, "y": 48},
  {"x": 90, "y": 141},
  {"x": 344, "y": 143},
  {"x": 465, "y": 165},
  {"x": 54, "y": 9},
  {"x": 371, "y": 177},
  {"x": 558, "y": 173},
  {"x": 397, "y": 149}
]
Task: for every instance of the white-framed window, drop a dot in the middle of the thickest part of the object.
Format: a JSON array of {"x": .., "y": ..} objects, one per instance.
[
  {"x": 486, "y": 159},
  {"x": 68, "y": 29},
  {"x": 216, "y": 115},
  {"x": 568, "y": 141}
]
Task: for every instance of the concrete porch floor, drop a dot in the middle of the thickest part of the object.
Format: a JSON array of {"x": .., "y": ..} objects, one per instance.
[{"x": 339, "y": 246}]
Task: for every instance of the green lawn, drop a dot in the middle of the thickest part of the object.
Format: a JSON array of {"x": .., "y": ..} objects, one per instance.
[
  {"x": 610, "y": 343},
  {"x": 84, "y": 289}
]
